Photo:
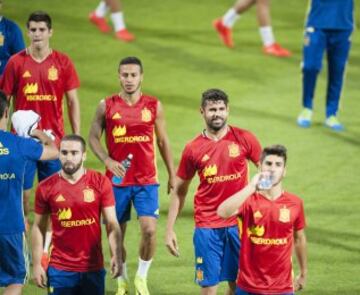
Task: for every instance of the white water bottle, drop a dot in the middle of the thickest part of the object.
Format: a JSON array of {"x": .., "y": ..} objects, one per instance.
[
  {"x": 126, "y": 163},
  {"x": 265, "y": 181}
]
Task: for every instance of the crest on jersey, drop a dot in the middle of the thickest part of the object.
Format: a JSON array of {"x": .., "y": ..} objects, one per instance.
[
  {"x": 30, "y": 88},
  {"x": 64, "y": 214},
  {"x": 53, "y": 74},
  {"x": 26, "y": 74},
  {"x": 116, "y": 116},
  {"x": 60, "y": 198},
  {"x": 119, "y": 131},
  {"x": 205, "y": 158},
  {"x": 199, "y": 275},
  {"x": 199, "y": 260},
  {"x": 234, "y": 150},
  {"x": 284, "y": 215},
  {"x": 145, "y": 115},
  {"x": 306, "y": 41},
  {"x": 89, "y": 195},
  {"x": 210, "y": 170},
  {"x": 2, "y": 38}
]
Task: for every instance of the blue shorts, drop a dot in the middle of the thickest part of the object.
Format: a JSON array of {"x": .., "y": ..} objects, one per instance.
[
  {"x": 13, "y": 262},
  {"x": 61, "y": 282},
  {"x": 44, "y": 169},
  {"x": 242, "y": 292},
  {"x": 145, "y": 199},
  {"x": 216, "y": 255}
]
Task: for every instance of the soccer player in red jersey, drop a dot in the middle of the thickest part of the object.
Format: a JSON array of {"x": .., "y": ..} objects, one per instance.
[
  {"x": 219, "y": 155},
  {"x": 74, "y": 199},
  {"x": 224, "y": 25},
  {"x": 37, "y": 79},
  {"x": 132, "y": 121},
  {"x": 273, "y": 222}
]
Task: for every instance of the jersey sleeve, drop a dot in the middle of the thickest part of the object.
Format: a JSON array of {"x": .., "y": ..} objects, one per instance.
[
  {"x": 299, "y": 222},
  {"x": 186, "y": 169},
  {"x": 107, "y": 194},
  {"x": 30, "y": 149},
  {"x": 253, "y": 147},
  {"x": 72, "y": 81},
  {"x": 41, "y": 204}
]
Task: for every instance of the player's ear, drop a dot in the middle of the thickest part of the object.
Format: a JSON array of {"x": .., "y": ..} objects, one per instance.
[
  {"x": 84, "y": 156},
  {"x": 201, "y": 111},
  {"x": 50, "y": 32}
]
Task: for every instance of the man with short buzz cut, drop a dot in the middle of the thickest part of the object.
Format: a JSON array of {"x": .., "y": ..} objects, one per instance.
[
  {"x": 37, "y": 78},
  {"x": 219, "y": 155},
  {"x": 273, "y": 222},
  {"x": 132, "y": 122},
  {"x": 15, "y": 151},
  {"x": 75, "y": 199}
]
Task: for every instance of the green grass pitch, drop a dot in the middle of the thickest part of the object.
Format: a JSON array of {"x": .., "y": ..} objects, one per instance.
[{"x": 182, "y": 57}]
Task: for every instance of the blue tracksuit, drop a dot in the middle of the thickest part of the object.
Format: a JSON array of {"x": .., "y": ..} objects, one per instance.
[
  {"x": 11, "y": 41},
  {"x": 328, "y": 28}
]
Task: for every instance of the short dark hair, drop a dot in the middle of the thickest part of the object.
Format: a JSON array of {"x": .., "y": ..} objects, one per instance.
[
  {"x": 4, "y": 104},
  {"x": 75, "y": 137},
  {"x": 131, "y": 60},
  {"x": 214, "y": 95},
  {"x": 40, "y": 16},
  {"x": 276, "y": 149}
]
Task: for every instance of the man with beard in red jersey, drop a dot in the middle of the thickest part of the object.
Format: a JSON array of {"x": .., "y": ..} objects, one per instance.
[
  {"x": 219, "y": 155},
  {"x": 132, "y": 121},
  {"x": 74, "y": 199}
]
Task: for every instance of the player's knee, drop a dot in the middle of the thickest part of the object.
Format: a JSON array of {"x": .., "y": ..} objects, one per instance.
[{"x": 149, "y": 232}]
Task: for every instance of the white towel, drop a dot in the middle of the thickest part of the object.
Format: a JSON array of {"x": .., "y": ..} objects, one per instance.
[{"x": 24, "y": 122}]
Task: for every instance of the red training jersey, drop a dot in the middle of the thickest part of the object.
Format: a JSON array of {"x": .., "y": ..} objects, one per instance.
[
  {"x": 130, "y": 130},
  {"x": 75, "y": 211},
  {"x": 222, "y": 167},
  {"x": 40, "y": 86},
  {"x": 267, "y": 242}
]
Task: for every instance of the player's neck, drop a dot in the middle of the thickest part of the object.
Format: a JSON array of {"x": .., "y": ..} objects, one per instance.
[
  {"x": 216, "y": 134},
  {"x": 274, "y": 193},
  {"x": 73, "y": 178},
  {"x": 3, "y": 125},
  {"x": 39, "y": 54},
  {"x": 131, "y": 98}
]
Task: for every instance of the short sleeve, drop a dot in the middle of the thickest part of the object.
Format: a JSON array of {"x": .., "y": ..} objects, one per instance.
[
  {"x": 253, "y": 148},
  {"x": 30, "y": 149},
  {"x": 41, "y": 204},
  {"x": 107, "y": 194},
  {"x": 186, "y": 169},
  {"x": 300, "y": 222},
  {"x": 72, "y": 79}
]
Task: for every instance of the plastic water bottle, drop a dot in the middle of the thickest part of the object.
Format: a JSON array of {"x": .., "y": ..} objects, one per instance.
[
  {"x": 265, "y": 181},
  {"x": 117, "y": 180}
]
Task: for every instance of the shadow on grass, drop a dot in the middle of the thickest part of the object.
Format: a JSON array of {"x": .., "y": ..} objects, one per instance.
[{"x": 334, "y": 239}]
